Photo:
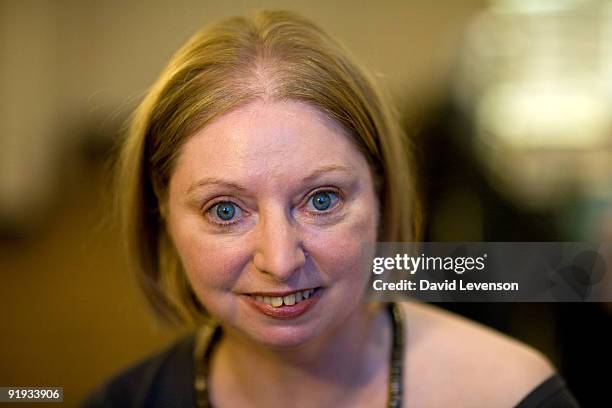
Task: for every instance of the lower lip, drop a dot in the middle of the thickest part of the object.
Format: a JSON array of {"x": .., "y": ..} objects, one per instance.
[{"x": 285, "y": 312}]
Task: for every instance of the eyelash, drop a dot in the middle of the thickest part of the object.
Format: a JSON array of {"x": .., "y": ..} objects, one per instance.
[
  {"x": 333, "y": 207},
  {"x": 226, "y": 224}
]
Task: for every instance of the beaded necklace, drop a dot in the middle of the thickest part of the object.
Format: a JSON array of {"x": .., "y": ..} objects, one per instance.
[{"x": 208, "y": 336}]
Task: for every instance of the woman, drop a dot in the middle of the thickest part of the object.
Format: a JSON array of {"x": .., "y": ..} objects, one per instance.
[{"x": 254, "y": 170}]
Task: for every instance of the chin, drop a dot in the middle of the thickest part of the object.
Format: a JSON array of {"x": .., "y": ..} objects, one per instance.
[
  {"x": 284, "y": 337},
  {"x": 282, "y": 334}
]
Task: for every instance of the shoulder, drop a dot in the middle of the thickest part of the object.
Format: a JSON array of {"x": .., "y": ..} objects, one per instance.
[
  {"x": 474, "y": 365},
  {"x": 146, "y": 383}
]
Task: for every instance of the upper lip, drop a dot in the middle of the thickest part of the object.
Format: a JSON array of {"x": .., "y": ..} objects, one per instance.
[{"x": 279, "y": 294}]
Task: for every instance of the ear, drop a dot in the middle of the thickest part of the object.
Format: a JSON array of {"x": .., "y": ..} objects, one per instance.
[
  {"x": 161, "y": 197},
  {"x": 163, "y": 210}
]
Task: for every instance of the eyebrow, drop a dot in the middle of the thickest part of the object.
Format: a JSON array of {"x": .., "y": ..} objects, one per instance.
[
  {"x": 323, "y": 170},
  {"x": 228, "y": 184}
]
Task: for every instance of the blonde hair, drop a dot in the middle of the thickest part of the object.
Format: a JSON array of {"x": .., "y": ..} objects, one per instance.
[{"x": 274, "y": 55}]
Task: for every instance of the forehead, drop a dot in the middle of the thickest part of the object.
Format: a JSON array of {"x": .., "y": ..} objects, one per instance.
[{"x": 281, "y": 139}]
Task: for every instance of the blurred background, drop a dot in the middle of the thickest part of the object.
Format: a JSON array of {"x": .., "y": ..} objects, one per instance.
[{"x": 509, "y": 104}]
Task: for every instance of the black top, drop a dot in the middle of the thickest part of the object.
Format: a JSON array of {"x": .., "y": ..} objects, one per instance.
[{"x": 166, "y": 379}]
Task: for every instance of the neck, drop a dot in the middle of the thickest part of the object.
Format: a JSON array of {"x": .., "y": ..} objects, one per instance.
[{"x": 350, "y": 357}]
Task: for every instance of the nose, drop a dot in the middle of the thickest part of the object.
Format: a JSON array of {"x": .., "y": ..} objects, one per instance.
[{"x": 279, "y": 251}]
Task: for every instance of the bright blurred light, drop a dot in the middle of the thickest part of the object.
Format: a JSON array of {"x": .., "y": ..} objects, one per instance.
[
  {"x": 536, "y": 79},
  {"x": 539, "y": 116},
  {"x": 537, "y": 6}
]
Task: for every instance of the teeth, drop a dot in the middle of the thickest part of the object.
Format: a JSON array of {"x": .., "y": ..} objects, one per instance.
[{"x": 289, "y": 300}]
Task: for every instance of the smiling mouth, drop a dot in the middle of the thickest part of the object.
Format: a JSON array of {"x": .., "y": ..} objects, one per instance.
[{"x": 288, "y": 300}]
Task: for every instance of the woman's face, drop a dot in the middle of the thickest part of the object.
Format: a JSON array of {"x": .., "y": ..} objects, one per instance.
[{"x": 268, "y": 207}]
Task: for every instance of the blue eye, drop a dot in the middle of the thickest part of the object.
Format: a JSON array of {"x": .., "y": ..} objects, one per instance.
[
  {"x": 324, "y": 200},
  {"x": 225, "y": 210}
]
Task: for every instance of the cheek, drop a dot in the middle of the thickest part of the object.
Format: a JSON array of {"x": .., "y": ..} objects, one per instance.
[
  {"x": 211, "y": 263},
  {"x": 337, "y": 249}
]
